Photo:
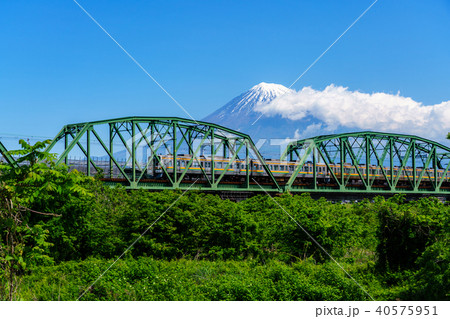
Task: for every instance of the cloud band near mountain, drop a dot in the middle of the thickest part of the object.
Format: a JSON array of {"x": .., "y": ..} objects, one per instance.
[{"x": 336, "y": 106}]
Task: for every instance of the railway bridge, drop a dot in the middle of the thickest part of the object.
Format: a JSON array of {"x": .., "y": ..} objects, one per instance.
[{"x": 158, "y": 153}]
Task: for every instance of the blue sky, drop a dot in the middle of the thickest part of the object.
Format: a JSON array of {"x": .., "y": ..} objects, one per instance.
[{"x": 58, "y": 67}]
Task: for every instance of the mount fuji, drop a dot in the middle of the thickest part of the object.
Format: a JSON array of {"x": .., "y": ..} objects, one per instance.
[
  {"x": 240, "y": 114},
  {"x": 277, "y": 114}
]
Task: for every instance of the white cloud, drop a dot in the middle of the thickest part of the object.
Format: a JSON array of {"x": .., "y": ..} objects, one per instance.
[{"x": 337, "y": 106}]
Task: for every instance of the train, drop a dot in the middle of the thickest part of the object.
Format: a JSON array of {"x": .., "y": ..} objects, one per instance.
[{"x": 282, "y": 170}]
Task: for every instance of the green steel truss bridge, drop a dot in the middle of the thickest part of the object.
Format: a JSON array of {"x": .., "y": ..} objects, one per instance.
[
  {"x": 371, "y": 162},
  {"x": 158, "y": 153}
]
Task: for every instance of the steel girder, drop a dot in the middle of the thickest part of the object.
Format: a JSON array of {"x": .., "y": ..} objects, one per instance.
[
  {"x": 151, "y": 146},
  {"x": 370, "y": 162},
  {"x": 4, "y": 153}
]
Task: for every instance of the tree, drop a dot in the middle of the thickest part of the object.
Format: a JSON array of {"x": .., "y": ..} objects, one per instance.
[{"x": 35, "y": 181}]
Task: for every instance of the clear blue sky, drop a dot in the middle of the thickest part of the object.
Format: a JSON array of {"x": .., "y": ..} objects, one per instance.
[{"x": 58, "y": 67}]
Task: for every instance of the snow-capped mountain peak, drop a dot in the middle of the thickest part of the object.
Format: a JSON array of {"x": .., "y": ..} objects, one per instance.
[
  {"x": 240, "y": 110},
  {"x": 260, "y": 93},
  {"x": 269, "y": 89}
]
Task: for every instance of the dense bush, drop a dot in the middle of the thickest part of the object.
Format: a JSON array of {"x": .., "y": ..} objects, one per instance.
[
  {"x": 60, "y": 230},
  {"x": 148, "y": 279},
  {"x": 406, "y": 229},
  {"x": 432, "y": 280},
  {"x": 249, "y": 249},
  {"x": 201, "y": 226}
]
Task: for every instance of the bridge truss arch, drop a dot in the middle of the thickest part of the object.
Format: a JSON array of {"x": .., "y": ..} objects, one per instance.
[
  {"x": 162, "y": 153},
  {"x": 369, "y": 162},
  {"x": 4, "y": 155}
]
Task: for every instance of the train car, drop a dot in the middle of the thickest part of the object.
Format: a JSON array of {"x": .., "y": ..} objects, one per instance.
[{"x": 284, "y": 169}]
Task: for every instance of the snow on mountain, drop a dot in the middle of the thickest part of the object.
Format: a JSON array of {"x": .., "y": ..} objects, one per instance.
[
  {"x": 239, "y": 113},
  {"x": 270, "y": 133},
  {"x": 276, "y": 114}
]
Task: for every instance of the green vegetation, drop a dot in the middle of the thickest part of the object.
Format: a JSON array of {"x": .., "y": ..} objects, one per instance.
[{"x": 60, "y": 230}]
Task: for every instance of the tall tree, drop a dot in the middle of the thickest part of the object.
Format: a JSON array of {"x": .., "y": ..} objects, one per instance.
[{"x": 37, "y": 179}]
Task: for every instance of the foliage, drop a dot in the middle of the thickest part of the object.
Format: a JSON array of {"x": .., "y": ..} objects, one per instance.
[
  {"x": 37, "y": 183},
  {"x": 340, "y": 229},
  {"x": 61, "y": 229},
  {"x": 406, "y": 229},
  {"x": 148, "y": 279},
  {"x": 432, "y": 280}
]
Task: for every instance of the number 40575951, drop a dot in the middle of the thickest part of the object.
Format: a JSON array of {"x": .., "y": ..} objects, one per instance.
[{"x": 407, "y": 310}]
